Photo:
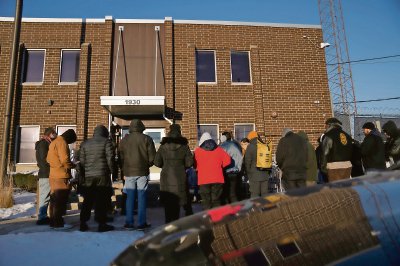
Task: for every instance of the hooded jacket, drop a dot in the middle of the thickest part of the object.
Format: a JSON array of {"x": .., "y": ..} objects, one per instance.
[
  {"x": 174, "y": 156},
  {"x": 232, "y": 149},
  {"x": 58, "y": 156},
  {"x": 373, "y": 151},
  {"x": 250, "y": 163},
  {"x": 392, "y": 145},
  {"x": 42, "y": 148},
  {"x": 137, "y": 151},
  {"x": 96, "y": 156},
  {"x": 291, "y": 156},
  {"x": 312, "y": 168},
  {"x": 210, "y": 160}
]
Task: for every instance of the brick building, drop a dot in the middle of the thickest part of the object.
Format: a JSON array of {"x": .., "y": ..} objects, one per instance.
[{"x": 205, "y": 75}]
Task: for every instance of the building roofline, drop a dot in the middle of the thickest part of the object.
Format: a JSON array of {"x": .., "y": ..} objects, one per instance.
[
  {"x": 178, "y": 21},
  {"x": 240, "y": 23}
]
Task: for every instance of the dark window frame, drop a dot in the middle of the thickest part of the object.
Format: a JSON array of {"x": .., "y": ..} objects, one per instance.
[
  {"x": 215, "y": 67},
  {"x": 250, "y": 82},
  {"x": 25, "y": 66},
  {"x": 61, "y": 68}
]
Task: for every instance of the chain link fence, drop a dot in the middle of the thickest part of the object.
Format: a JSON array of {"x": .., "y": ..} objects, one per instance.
[{"x": 352, "y": 124}]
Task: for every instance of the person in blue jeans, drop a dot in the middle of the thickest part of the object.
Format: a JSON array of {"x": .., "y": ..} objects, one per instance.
[
  {"x": 42, "y": 148},
  {"x": 137, "y": 152}
]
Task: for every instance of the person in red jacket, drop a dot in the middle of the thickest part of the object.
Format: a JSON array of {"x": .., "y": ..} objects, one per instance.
[{"x": 209, "y": 161}]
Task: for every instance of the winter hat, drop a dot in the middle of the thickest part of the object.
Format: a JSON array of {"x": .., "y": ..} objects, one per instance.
[
  {"x": 252, "y": 135},
  {"x": 285, "y": 131},
  {"x": 332, "y": 120},
  {"x": 101, "y": 130},
  {"x": 48, "y": 131},
  {"x": 369, "y": 125},
  {"x": 69, "y": 136},
  {"x": 174, "y": 131},
  {"x": 204, "y": 137},
  {"x": 223, "y": 138}
]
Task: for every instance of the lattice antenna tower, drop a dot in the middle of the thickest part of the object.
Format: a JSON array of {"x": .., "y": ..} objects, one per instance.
[{"x": 337, "y": 58}]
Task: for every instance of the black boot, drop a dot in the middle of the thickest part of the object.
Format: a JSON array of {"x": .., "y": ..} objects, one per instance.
[
  {"x": 83, "y": 227},
  {"x": 105, "y": 227}
]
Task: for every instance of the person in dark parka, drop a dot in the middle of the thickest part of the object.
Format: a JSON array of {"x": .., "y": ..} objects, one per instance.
[
  {"x": 291, "y": 157},
  {"x": 173, "y": 156},
  {"x": 392, "y": 144},
  {"x": 312, "y": 168},
  {"x": 372, "y": 149},
  {"x": 96, "y": 160}
]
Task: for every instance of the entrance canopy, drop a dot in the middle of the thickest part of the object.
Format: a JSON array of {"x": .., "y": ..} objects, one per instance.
[{"x": 133, "y": 105}]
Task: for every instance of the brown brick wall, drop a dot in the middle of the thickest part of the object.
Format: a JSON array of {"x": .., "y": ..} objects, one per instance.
[
  {"x": 288, "y": 75},
  {"x": 70, "y": 101}
]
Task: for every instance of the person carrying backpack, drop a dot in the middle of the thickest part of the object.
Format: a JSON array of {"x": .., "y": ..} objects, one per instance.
[
  {"x": 291, "y": 157},
  {"x": 257, "y": 168}
]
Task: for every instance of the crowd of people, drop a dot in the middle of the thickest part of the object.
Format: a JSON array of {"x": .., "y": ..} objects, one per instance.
[{"x": 216, "y": 170}]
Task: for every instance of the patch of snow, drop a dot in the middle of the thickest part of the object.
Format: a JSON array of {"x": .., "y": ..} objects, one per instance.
[
  {"x": 64, "y": 248},
  {"x": 24, "y": 206}
]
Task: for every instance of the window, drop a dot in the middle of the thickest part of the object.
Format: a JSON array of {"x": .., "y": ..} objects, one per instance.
[
  {"x": 62, "y": 129},
  {"x": 33, "y": 63},
  {"x": 205, "y": 66},
  {"x": 242, "y": 130},
  {"x": 212, "y": 129},
  {"x": 156, "y": 134},
  {"x": 69, "y": 66},
  {"x": 288, "y": 249},
  {"x": 240, "y": 67},
  {"x": 27, "y": 137}
]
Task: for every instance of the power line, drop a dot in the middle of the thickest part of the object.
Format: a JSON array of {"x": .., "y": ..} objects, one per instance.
[
  {"x": 373, "y": 100},
  {"x": 363, "y": 60}
]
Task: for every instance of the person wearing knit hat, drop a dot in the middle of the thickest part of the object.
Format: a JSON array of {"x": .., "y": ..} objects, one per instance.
[
  {"x": 337, "y": 151},
  {"x": 174, "y": 157},
  {"x": 42, "y": 148},
  {"x": 258, "y": 178},
  {"x": 372, "y": 149},
  {"x": 210, "y": 160},
  {"x": 252, "y": 135}
]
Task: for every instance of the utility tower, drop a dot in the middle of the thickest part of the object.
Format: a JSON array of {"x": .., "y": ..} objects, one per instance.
[{"x": 338, "y": 62}]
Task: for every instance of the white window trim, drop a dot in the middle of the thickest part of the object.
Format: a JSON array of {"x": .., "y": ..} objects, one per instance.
[
  {"x": 18, "y": 140},
  {"x": 161, "y": 130},
  {"x": 242, "y": 124},
  {"x": 210, "y": 125},
  {"x": 23, "y": 65},
  {"x": 59, "y": 72},
  {"x": 230, "y": 63},
  {"x": 215, "y": 67},
  {"x": 57, "y": 126}
]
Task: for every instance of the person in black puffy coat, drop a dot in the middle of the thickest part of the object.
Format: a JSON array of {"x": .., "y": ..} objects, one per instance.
[{"x": 96, "y": 161}]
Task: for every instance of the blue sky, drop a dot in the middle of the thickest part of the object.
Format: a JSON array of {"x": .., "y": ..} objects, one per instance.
[{"x": 372, "y": 28}]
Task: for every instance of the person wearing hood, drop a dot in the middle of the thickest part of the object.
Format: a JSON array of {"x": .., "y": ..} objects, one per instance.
[
  {"x": 174, "y": 157},
  {"x": 392, "y": 145},
  {"x": 312, "y": 167},
  {"x": 372, "y": 149},
  {"x": 337, "y": 151},
  {"x": 233, "y": 171},
  {"x": 291, "y": 157},
  {"x": 137, "y": 152},
  {"x": 58, "y": 158},
  {"x": 96, "y": 161},
  {"x": 42, "y": 148},
  {"x": 210, "y": 160},
  {"x": 258, "y": 178}
]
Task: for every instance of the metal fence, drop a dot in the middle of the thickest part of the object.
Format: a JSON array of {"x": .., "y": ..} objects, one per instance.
[{"x": 352, "y": 124}]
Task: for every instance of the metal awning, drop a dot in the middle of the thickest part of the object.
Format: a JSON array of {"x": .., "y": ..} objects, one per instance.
[{"x": 133, "y": 105}]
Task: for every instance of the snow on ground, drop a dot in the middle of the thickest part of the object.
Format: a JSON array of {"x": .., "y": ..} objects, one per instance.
[
  {"x": 24, "y": 206},
  {"x": 64, "y": 248}
]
